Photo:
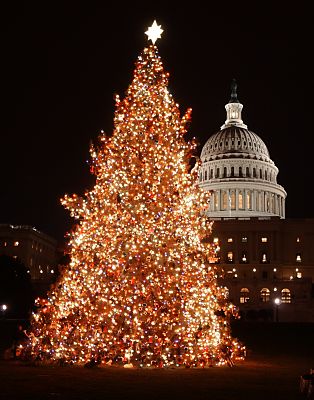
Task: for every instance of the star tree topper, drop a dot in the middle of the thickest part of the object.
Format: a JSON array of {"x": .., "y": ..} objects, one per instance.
[{"x": 154, "y": 32}]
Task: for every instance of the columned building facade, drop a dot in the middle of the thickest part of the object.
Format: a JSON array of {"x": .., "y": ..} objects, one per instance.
[
  {"x": 265, "y": 260},
  {"x": 237, "y": 169}
]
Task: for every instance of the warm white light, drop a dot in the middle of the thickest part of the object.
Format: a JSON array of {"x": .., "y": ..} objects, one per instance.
[
  {"x": 4, "y": 307},
  {"x": 275, "y": 289},
  {"x": 254, "y": 269},
  {"x": 277, "y": 301},
  {"x": 154, "y": 32}
]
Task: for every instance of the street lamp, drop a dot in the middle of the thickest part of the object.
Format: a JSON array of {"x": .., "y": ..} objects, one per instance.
[
  {"x": 4, "y": 307},
  {"x": 277, "y": 302}
]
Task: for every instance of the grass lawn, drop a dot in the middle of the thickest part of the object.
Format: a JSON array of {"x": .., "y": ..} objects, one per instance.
[{"x": 277, "y": 355}]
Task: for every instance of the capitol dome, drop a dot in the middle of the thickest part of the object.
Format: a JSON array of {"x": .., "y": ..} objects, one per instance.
[{"x": 237, "y": 168}]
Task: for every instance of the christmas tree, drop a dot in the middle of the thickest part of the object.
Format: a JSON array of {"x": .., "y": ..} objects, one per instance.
[{"x": 140, "y": 289}]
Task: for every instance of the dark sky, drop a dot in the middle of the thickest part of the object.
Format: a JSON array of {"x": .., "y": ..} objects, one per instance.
[{"x": 62, "y": 64}]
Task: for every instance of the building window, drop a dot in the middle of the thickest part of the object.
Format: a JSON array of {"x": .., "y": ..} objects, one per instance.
[
  {"x": 225, "y": 172},
  {"x": 205, "y": 177},
  {"x": 216, "y": 240},
  {"x": 264, "y": 275},
  {"x": 249, "y": 200},
  {"x": 264, "y": 258},
  {"x": 224, "y": 200},
  {"x": 240, "y": 200},
  {"x": 233, "y": 201},
  {"x": 244, "y": 258},
  {"x": 244, "y": 295},
  {"x": 216, "y": 200},
  {"x": 265, "y": 295},
  {"x": 298, "y": 257},
  {"x": 244, "y": 239},
  {"x": 230, "y": 240},
  {"x": 298, "y": 240},
  {"x": 285, "y": 296},
  {"x": 217, "y": 173},
  {"x": 232, "y": 172},
  {"x": 230, "y": 257},
  {"x": 299, "y": 274},
  {"x": 264, "y": 239},
  {"x": 16, "y": 244}
]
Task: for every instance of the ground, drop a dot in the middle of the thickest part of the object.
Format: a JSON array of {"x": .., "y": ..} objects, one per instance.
[{"x": 278, "y": 354}]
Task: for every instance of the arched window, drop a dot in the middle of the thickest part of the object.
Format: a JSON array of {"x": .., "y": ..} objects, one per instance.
[
  {"x": 260, "y": 174},
  {"x": 244, "y": 259},
  {"x": 240, "y": 172},
  {"x": 264, "y": 258},
  {"x": 205, "y": 175},
  {"x": 285, "y": 296},
  {"x": 211, "y": 173},
  {"x": 254, "y": 172},
  {"x": 247, "y": 172},
  {"x": 244, "y": 295},
  {"x": 217, "y": 173},
  {"x": 265, "y": 295},
  {"x": 201, "y": 177},
  {"x": 240, "y": 200},
  {"x": 266, "y": 175},
  {"x": 225, "y": 172}
]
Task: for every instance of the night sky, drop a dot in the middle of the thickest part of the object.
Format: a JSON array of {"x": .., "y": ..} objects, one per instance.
[{"x": 63, "y": 63}]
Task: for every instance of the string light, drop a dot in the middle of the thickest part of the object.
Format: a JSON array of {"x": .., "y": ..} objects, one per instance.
[{"x": 141, "y": 288}]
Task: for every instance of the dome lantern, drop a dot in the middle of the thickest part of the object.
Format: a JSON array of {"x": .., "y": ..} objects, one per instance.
[{"x": 234, "y": 109}]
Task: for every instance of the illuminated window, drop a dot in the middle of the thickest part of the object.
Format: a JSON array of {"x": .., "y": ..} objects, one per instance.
[
  {"x": 16, "y": 244},
  {"x": 233, "y": 201},
  {"x": 216, "y": 200},
  {"x": 265, "y": 295},
  {"x": 224, "y": 200},
  {"x": 264, "y": 239},
  {"x": 254, "y": 270},
  {"x": 216, "y": 240},
  {"x": 230, "y": 256},
  {"x": 264, "y": 258},
  {"x": 298, "y": 239},
  {"x": 244, "y": 258},
  {"x": 299, "y": 274},
  {"x": 244, "y": 239},
  {"x": 249, "y": 200},
  {"x": 230, "y": 240},
  {"x": 244, "y": 295},
  {"x": 285, "y": 296},
  {"x": 298, "y": 257},
  {"x": 241, "y": 200}
]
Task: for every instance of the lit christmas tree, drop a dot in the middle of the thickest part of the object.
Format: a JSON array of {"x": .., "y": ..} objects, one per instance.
[{"x": 140, "y": 289}]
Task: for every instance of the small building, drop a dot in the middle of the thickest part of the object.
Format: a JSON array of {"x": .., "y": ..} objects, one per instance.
[{"x": 36, "y": 250}]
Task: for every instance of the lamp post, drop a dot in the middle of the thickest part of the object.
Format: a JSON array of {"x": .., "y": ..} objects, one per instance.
[
  {"x": 4, "y": 307},
  {"x": 277, "y": 302}
]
